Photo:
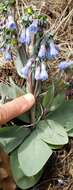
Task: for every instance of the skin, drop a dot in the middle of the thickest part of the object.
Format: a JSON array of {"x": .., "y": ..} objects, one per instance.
[{"x": 16, "y": 107}]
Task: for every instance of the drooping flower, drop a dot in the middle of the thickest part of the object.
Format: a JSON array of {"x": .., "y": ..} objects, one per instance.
[
  {"x": 25, "y": 37},
  {"x": 10, "y": 24},
  {"x": 52, "y": 51},
  {"x": 1, "y": 50},
  {"x": 42, "y": 52},
  {"x": 28, "y": 36},
  {"x": 25, "y": 69},
  {"x": 37, "y": 73},
  {"x": 43, "y": 74},
  {"x": 8, "y": 56},
  {"x": 65, "y": 64},
  {"x": 33, "y": 28}
]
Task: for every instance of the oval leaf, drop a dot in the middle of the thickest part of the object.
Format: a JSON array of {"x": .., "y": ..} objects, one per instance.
[
  {"x": 21, "y": 180},
  {"x": 52, "y": 132},
  {"x": 11, "y": 137},
  {"x": 64, "y": 115},
  {"x": 33, "y": 154}
]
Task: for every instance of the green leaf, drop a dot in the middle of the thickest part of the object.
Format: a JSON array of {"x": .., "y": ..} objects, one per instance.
[
  {"x": 48, "y": 97},
  {"x": 48, "y": 132},
  {"x": 6, "y": 90},
  {"x": 33, "y": 153},
  {"x": 20, "y": 62},
  {"x": 52, "y": 132},
  {"x": 18, "y": 91},
  {"x": 10, "y": 91},
  {"x": 70, "y": 133},
  {"x": 55, "y": 147},
  {"x": 64, "y": 115},
  {"x": 57, "y": 101},
  {"x": 25, "y": 117},
  {"x": 21, "y": 180},
  {"x": 12, "y": 137}
]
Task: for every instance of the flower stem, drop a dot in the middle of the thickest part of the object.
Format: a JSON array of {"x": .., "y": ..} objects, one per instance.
[{"x": 30, "y": 89}]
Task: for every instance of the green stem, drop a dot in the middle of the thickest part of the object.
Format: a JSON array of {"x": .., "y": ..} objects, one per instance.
[{"x": 30, "y": 89}]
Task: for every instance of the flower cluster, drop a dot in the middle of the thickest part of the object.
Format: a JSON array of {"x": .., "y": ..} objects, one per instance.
[
  {"x": 49, "y": 52},
  {"x": 26, "y": 34},
  {"x": 38, "y": 44}
]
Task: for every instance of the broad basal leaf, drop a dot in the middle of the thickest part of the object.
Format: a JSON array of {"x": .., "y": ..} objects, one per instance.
[
  {"x": 11, "y": 137},
  {"x": 21, "y": 180},
  {"x": 70, "y": 133},
  {"x": 33, "y": 154},
  {"x": 19, "y": 63},
  {"x": 52, "y": 132},
  {"x": 25, "y": 117},
  {"x": 57, "y": 101},
  {"x": 64, "y": 115},
  {"x": 48, "y": 97},
  {"x": 10, "y": 91},
  {"x": 19, "y": 91}
]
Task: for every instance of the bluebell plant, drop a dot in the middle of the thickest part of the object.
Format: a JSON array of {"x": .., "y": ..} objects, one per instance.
[{"x": 30, "y": 141}]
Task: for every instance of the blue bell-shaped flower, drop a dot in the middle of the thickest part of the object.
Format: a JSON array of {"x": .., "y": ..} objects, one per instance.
[
  {"x": 25, "y": 37},
  {"x": 42, "y": 52},
  {"x": 34, "y": 27},
  {"x": 65, "y": 64},
  {"x": 8, "y": 56},
  {"x": 10, "y": 24},
  {"x": 37, "y": 73},
  {"x": 43, "y": 74},
  {"x": 28, "y": 36},
  {"x": 22, "y": 38},
  {"x": 52, "y": 51},
  {"x": 25, "y": 69}
]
